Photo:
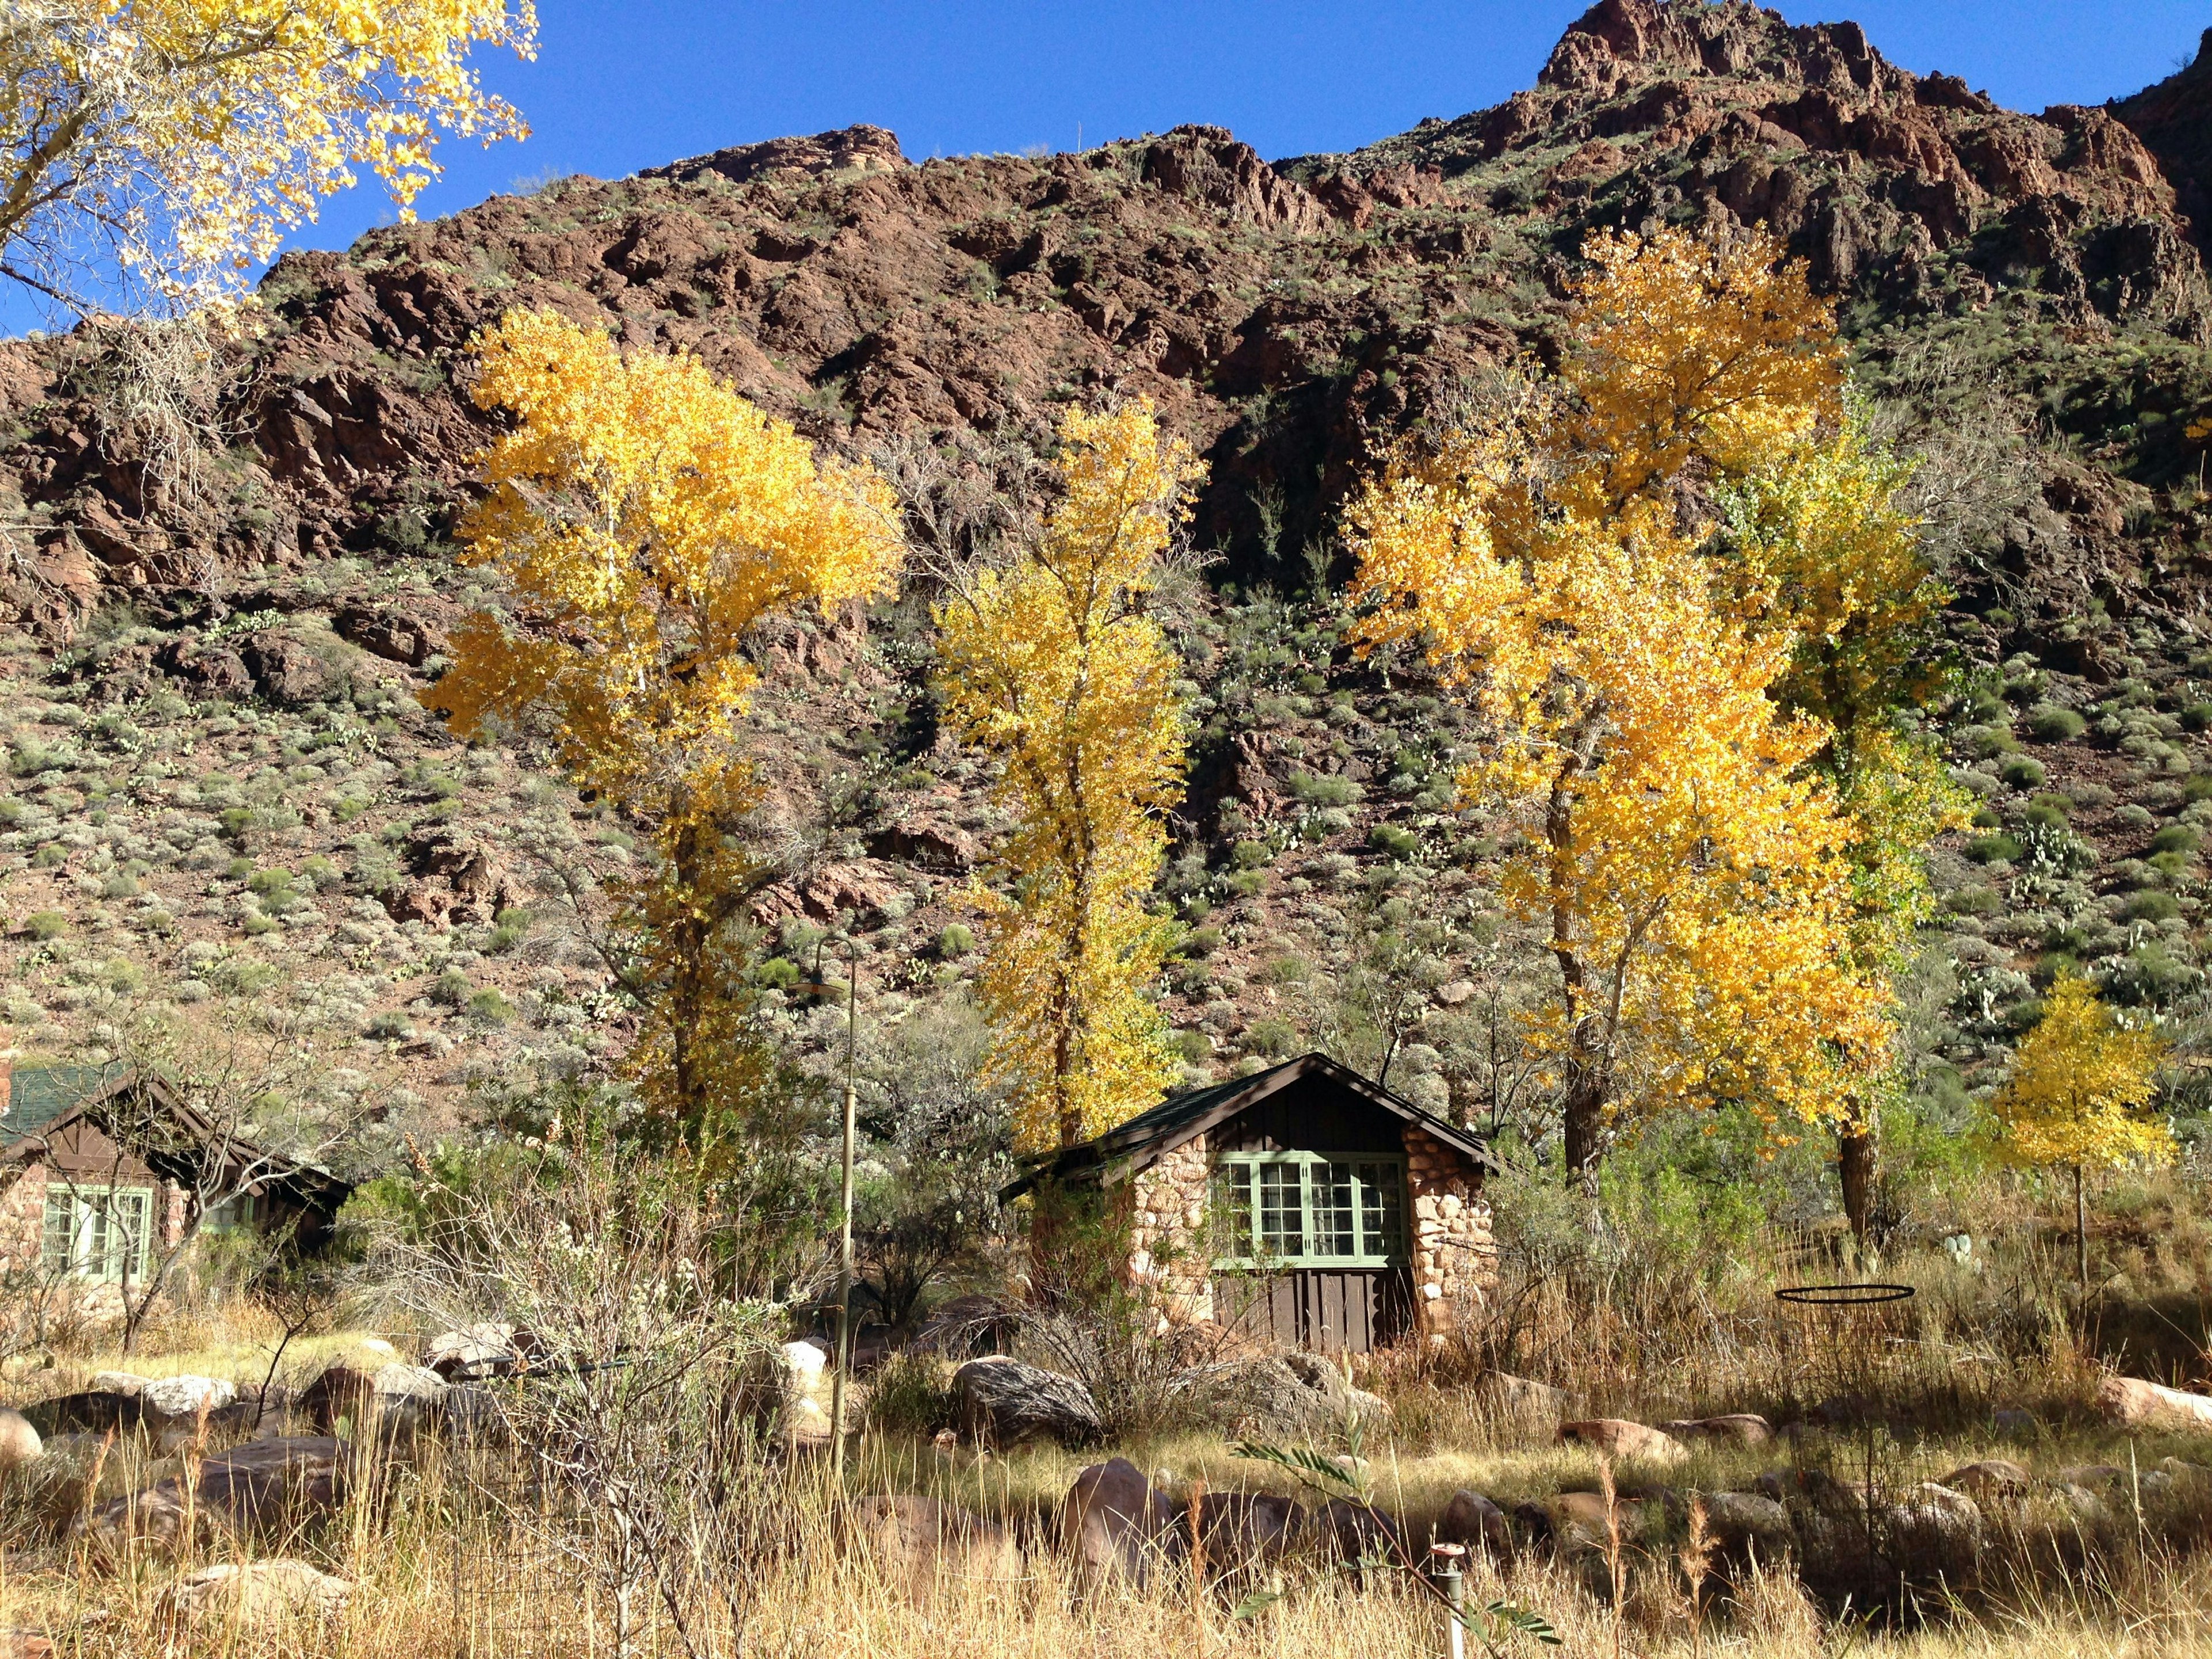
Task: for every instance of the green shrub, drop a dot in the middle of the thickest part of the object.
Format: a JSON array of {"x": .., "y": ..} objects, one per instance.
[
  {"x": 267, "y": 883},
  {"x": 1987, "y": 818},
  {"x": 1993, "y": 849},
  {"x": 2046, "y": 814},
  {"x": 388, "y": 1026},
  {"x": 453, "y": 989},
  {"x": 1286, "y": 969},
  {"x": 1974, "y": 901},
  {"x": 2150, "y": 974},
  {"x": 2021, "y": 772},
  {"x": 1273, "y": 1036},
  {"x": 912, "y": 1396},
  {"x": 955, "y": 940},
  {"x": 1250, "y": 854},
  {"x": 51, "y": 856},
  {"x": 2151, "y": 905},
  {"x": 1323, "y": 789},
  {"x": 776, "y": 973},
  {"x": 490, "y": 1007},
  {"x": 258, "y": 923},
  {"x": 2048, "y": 723},
  {"x": 2197, "y": 717},
  {"x": 119, "y": 884},
  {"x": 1394, "y": 842},
  {"x": 2169, "y": 864},
  {"x": 1194, "y": 1048},
  {"x": 236, "y": 821},
  {"x": 11, "y": 811},
  {"x": 1201, "y": 941},
  {"x": 1247, "y": 882},
  {"x": 2196, "y": 786},
  {"x": 2175, "y": 838},
  {"x": 46, "y": 924}
]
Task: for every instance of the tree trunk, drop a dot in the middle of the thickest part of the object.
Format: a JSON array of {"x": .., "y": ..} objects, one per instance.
[
  {"x": 2081, "y": 1234},
  {"x": 1855, "y": 1163},
  {"x": 1585, "y": 1119}
]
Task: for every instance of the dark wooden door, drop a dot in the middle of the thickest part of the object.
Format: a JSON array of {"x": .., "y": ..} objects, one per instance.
[{"x": 1322, "y": 1309}]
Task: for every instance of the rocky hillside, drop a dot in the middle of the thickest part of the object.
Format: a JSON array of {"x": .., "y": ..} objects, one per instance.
[{"x": 221, "y": 783}]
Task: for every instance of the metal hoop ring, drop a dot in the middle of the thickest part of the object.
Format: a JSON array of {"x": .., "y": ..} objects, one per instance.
[{"x": 1843, "y": 1295}]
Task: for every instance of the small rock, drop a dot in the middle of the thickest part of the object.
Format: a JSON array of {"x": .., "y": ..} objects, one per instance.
[
  {"x": 1734, "y": 1429},
  {"x": 255, "y": 1595},
  {"x": 19, "y": 1442},
  {"x": 2085, "y": 1506},
  {"x": 2092, "y": 1475},
  {"x": 1516, "y": 1400},
  {"x": 1616, "y": 1437},
  {"x": 180, "y": 1397},
  {"x": 1743, "y": 1520},
  {"x": 1579, "y": 1522},
  {"x": 402, "y": 1382},
  {"x": 1993, "y": 1477},
  {"x": 1933, "y": 1506},
  {"x": 1473, "y": 1521}
]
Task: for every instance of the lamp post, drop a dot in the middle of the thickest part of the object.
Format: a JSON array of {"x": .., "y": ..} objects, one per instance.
[{"x": 818, "y": 986}]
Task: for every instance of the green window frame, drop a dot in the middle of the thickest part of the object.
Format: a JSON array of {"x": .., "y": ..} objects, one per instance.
[
  {"x": 1309, "y": 1210},
  {"x": 98, "y": 1232}
]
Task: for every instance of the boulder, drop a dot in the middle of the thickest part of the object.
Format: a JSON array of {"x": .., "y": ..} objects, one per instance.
[
  {"x": 412, "y": 633},
  {"x": 472, "y": 1353},
  {"x": 1992, "y": 1477},
  {"x": 116, "y": 1383},
  {"x": 19, "y": 1442},
  {"x": 1004, "y": 1402},
  {"x": 2135, "y": 1404},
  {"x": 98, "y": 1412},
  {"x": 179, "y": 1398},
  {"x": 1243, "y": 1529},
  {"x": 273, "y": 1484},
  {"x": 1933, "y": 1530},
  {"x": 398, "y": 1382},
  {"x": 255, "y": 1596},
  {"x": 1613, "y": 1437},
  {"x": 1474, "y": 1523},
  {"x": 1283, "y": 1397},
  {"x": 342, "y": 1394},
  {"x": 1578, "y": 1522},
  {"x": 1111, "y": 1522},
  {"x": 285, "y": 669},
  {"x": 1734, "y": 1429},
  {"x": 920, "y": 1543},
  {"x": 1744, "y": 1523},
  {"x": 2084, "y": 1505},
  {"x": 25, "y": 1644},
  {"x": 1518, "y": 1400},
  {"x": 2092, "y": 1475}
]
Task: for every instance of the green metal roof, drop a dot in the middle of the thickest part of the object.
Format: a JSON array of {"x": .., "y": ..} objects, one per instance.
[{"x": 37, "y": 1094}]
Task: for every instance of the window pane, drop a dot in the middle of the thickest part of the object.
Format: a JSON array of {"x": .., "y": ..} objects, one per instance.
[
  {"x": 1381, "y": 1208},
  {"x": 1282, "y": 1210},
  {"x": 59, "y": 1232},
  {"x": 1333, "y": 1210},
  {"x": 1232, "y": 1211},
  {"x": 128, "y": 1241},
  {"x": 93, "y": 1240}
]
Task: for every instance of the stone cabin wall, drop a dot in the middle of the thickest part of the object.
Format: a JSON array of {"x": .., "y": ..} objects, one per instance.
[
  {"x": 1455, "y": 1254},
  {"x": 1170, "y": 1265}
]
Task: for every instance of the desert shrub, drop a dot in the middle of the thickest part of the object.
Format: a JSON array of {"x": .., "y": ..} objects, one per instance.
[
  {"x": 2150, "y": 975},
  {"x": 912, "y": 1394},
  {"x": 1201, "y": 941},
  {"x": 954, "y": 941},
  {"x": 453, "y": 989},
  {"x": 1250, "y": 854},
  {"x": 2175, "y": 838},
  {"x": 46, "y": 924},
  {"x": 2022, "y": 772},
  {"x": 1273, "y": 1036},
  {"x": 2048, "y": 723},
  {"x": 490, "y": 1007},
  {"x": 1323, "y": 789},
  {"x": 1394, "y": 842},
  {"x": 2151, "y": 905},
  {"x": 1993, "y": 849}
]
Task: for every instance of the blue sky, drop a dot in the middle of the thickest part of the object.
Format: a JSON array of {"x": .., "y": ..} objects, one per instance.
[{"x": 618, "y": 87}]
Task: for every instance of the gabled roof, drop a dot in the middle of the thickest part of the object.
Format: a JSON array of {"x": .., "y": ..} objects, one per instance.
[
  {"x": 39, "y": 1096},
  {"x": 44, "y": 1100},
  {"x": 1121, "y": 1151}
]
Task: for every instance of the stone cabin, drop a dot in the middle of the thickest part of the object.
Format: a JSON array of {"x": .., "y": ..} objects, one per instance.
[
  {"x": 100, "y": 1168},
  {"x": 1305, "y": 1203}
]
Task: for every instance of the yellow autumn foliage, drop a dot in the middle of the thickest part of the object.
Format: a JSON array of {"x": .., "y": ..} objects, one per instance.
[
  {"x": 1664, "y": 751},
  {"x": 2077, "y": 1086},
  {"x": 642, "y": 517},
  {"x": 1053, "y": 665},
  {"x": 183, "y": 137}
]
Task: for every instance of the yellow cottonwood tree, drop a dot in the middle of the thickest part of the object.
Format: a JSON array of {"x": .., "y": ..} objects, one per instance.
[
  {"x": 642, "y": 518},
  {"x": 1679, "y": 837},
  {"x": 1053, "y": 664},
  {"x": 2076, "y": 1092},
  {"x": 179, "y": 139}
]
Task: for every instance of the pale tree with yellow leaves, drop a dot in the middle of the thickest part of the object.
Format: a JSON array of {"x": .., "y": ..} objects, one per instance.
[
  {"x": 2075, "y": 1093},
  {"x": 642, "y": 518},
  {"x": 162, "y": 147},
  {"x": 1656, "y": 575},
  {"x": 1054, "y": 662}
]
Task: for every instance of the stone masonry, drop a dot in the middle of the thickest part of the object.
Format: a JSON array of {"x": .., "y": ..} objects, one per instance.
[
  {"x": 1169, "y": 1263},
  {"x": 22, "y": 1217},
  {"x": 1455, "y": 1259}
]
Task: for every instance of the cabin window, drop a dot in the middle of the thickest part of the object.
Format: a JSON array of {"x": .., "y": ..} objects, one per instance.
[
  {"x": 97, "y": 1233},
  {"x": 1309, "y": 1210}
]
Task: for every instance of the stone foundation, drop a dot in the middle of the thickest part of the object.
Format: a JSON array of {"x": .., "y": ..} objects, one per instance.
[
  {"x": 1455, "y": 1257},
  {"x": 22, "y": 1218}
]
